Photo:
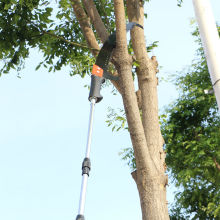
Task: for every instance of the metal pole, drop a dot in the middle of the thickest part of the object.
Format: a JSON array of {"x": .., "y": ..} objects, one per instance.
[
  {"x": 86, "y": 166},
  {"x": 210, "y": 41}
]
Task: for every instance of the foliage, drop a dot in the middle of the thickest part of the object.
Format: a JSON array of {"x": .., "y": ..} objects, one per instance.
[
  {"x": 191, "y": 133},
  {"x": 116, "y": 120},
  {"x": 106, "y": 11},
  {"x": 51, "y": 27},
  {"x": 179, "y": 2},
  {"x": 31, "y": 24},
  {"x": 127, "y": 154}
]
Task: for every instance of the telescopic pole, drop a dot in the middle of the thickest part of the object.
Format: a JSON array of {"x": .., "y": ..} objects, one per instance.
[
  {"x": 211, "y": 42},
  {"x": 86, "y": 165}
]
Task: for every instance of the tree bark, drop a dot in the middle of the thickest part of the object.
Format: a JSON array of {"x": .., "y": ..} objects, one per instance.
[
  {"x": 147, "y": 83},
  {"x": 85, "y": 26},
  {"x": 128, "y": 92},
  {"x": 152, "y": 189}
]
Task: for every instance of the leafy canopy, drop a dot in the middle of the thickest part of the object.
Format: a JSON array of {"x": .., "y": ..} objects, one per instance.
[
  {"x": 51, "y": 27},
  {"x": 36, "y": 24},
  {"x": 191, "y": 133}
]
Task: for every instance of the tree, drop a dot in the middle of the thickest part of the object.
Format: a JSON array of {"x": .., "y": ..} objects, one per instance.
[
  {"x": 79, "y": 29},
  {"x": 190, "y": 126},
  {"x": 191, "y": 132}
]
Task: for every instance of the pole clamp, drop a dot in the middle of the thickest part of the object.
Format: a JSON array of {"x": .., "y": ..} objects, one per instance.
[{"x": 86, "y": 166}]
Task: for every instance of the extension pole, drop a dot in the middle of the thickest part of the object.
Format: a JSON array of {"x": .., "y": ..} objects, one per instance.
[
  {"x": 86, "y": 165},
  {"x": 211, "y": 42}
]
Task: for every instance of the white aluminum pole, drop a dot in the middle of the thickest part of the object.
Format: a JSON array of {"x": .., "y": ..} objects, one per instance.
[
  {"x": 210, "y": 40},
  {"x": 85, "y": 176}
]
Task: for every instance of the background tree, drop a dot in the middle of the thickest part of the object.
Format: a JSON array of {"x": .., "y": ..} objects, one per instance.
[
  {"x": 79, "y": 29},
  {"x": 191, "y": 132}
]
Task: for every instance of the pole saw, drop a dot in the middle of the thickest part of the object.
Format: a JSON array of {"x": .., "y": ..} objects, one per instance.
[{"x": 99, "y": 74}]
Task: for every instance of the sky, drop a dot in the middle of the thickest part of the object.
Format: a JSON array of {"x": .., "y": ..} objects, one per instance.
[{"x": 44, "y": 122}]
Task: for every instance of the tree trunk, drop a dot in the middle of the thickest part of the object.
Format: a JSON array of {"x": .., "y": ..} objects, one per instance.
[
  {"x": 152, "y": 195},
  {"x": 144, "y": 131},
  {"x": 146, "y": 137}
]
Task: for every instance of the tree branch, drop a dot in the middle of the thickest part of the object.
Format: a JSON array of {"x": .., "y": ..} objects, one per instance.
[
  {"x": 147, "y": 84},
  {"x": 96, "y": 19},
  {"x": 123, "y": 66},
  {"x": 85, "y": 26},
  {"x": 102, "y": 5},
  {"x": 67, "y": 41}
]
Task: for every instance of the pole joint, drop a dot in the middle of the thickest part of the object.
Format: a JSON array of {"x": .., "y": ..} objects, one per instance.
[{"x": 86, "y": 166}]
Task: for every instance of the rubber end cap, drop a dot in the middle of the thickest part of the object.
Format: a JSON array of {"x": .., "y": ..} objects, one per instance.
[{"x": 80, "y": 217}]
